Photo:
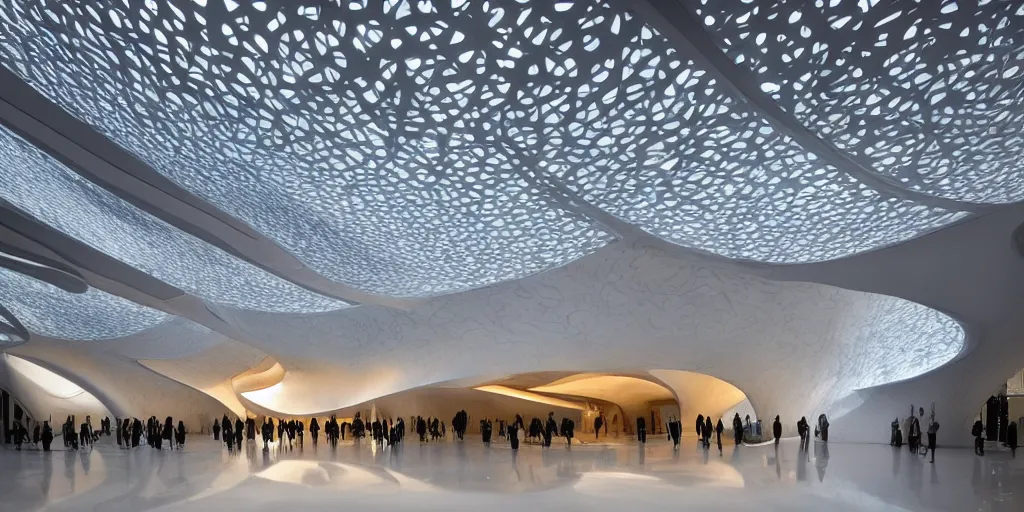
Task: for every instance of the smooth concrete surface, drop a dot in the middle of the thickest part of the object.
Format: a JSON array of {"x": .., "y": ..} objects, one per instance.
[{"x": 469, "y": 476}]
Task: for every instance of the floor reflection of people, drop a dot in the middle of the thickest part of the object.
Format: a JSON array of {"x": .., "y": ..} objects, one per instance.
[
  {"x": 802, "y": 458},
  {"x": 821, "y": 459}
]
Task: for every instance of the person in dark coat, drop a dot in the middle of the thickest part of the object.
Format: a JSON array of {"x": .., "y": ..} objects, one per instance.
[
  {"x": 700, "y": 428},
  {"x": 314, "y": 430},
  {"x": 250, "y": 429},
  {"x": 485, "y": 430},
  {"x": 823, "y": 424},
  {"x": 641, "y": 429},
  {"x": 280, "y": 431},
  {"x": 421, "y": 428},
  {"x": 737, "y": 429},
  {"x": 126, "y": 430},
  {"x": 550, "y": 429},
  {"x": 598, "y": 423},
  {"x": 777, "y": 431},
  {"x": 801, "y": 428},
  {"x": 979, "y": 443},
  {"x": 709, "y": 429},
  {"x": 47, "y": 436},
  {"x": 136, "y": 432},
  {"x": 267, "y": 432},
  {"x": 568, "y": 426},
  {"x": 674, "y": 431},
  {"x": 1011, "y": 438},
  {"x": 225, "y": 427},
  {"x": 119, "y": 438},
  {"x": 179, "y": 435},
  {"x": 933, "y": 429},
  {"x": 513, "y": 432},
  {"x": 239, "y": 432},
  {"x": 216, "y": 430},
  {"x": 718, "y": 431},
  {"x": 169, "y": 432}
]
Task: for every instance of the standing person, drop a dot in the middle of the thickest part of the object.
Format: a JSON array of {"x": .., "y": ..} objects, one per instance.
[
  {"x": 914, "y": 433},
  {"x": 674, "y": 427},
  {"x": 421, "y": 428},
  {"x": 567, "y": 431},
  {"x": 700, "y": 428},
  {"x": 823, "y": 426},
  {"x": 718, "y": 432},
  {"x": 169, "y": 432},
  {"x": 513, "y": 433},
  {"x": 777, "y": 431},
  {"x": 267, "y": 432},
  {"x": 118, "y": 428},
  {"x": 709, "y": 428},
  {"x": 179, "y": 435},
  {"x": 979, "y": 444},
  {"x": 280, "y": 431},
  {"x": 485, "y": 430},
  {"x": 801, "y": 429},
  {"x": 136, "y": 432},
  {"x": 35, "y": 434},
  {"x": 550, "y": 429},
  {"x": 641, "y": 429},
  {"x": 1011, "y": 438},
  {"x": 126, "y": 429},
  {"x": 47, "y": 436},
  {"x": 314, "y": 430},
  {"x": 933, "y": 428},
  {"x": 250, "y": 429},
  {"x": 737, "y": 429},
  {"x": 598, "y": 423},
  {"x": 228, "y": 435},
  {"x": 239, "y": 432},
  {"x": 216, "y": 430}
]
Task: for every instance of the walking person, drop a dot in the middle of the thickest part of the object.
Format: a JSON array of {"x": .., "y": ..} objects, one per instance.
[
  {"x": 777, "y": 431},
  {"x": 674, "y": 428},
  {"x": 737, "y": 429},
  {"x": 709, "y": 430},
  {"x": 700, "y": 428},
  {"x": 979, "y": 444},
  {"x": 718, "y": 432},
  {"x": 933, "y": 429}
]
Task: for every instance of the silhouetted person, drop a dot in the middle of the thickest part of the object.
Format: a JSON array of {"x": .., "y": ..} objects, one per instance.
[
  {"x": 550, "y": 429},
  {"x": 708, "y": 430},
  {"x": 267, "y": 432},
  {"x": 513, "y": 432},
  {"x": 674, "y": 431},
  {"x": 641, "y": 429},
  {"x": 933, "y": 429},
  {"x": 823, "y": 427},
  {"x": 314, "y": 430},
  {"x": 718, "y": 431},
  {"x": 280, "y": 431},
  {"x": 777, "y": 431},
  {"x": 568, "y": 427},
  {"x": 179, "y": 435},
  {"x": 225, "y": 427},
  {"x": 47, "y": 436},
  {"x": 598, "y": 423},
  {"x": 700, "y": 428},
  {"x": 239, "y": 432},
  {"x": 801, "y": 428},
  {"x": 126, "y": 429},
  {"x": 979, "y": 443},
  {"x": 421, "y": 429},
  {"x": 169, "y": 432},
  {"x": 914, "y": 434},
  {"x": 289, "y": 429},
  {"x": 1011, "y": 438},
  {"x": 216, "y": 430},
  {"x": 485, "y": 430},
  {"x": 737, "y": 429},
  {"x": 136, "y": 432},
  {"x": 250, "y": 429},
  {"x": 895, "y": 437}
]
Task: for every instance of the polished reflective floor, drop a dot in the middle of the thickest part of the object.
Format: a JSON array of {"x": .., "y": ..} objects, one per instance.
[{"x": 470, "y": 476}]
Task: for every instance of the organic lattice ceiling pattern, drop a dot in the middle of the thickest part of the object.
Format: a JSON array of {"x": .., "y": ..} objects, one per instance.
[
  {"x": 93, "y": 315},
  {"x": 45, "y": 188},
  {"x": 929, "y": 92},
  {"x": 406, "y": 148}
]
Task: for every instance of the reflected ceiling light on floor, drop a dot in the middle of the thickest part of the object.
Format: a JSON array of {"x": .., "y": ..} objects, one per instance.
[
  {"x": 533, "y": 397},
  {"x": 48, "y": 381}
]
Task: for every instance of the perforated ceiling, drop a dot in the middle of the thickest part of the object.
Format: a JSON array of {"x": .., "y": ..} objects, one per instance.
[
  {"x": 45, "y": 188},
  {"x": 930, "y": 92},
  {"x": 397, "y": 146}
]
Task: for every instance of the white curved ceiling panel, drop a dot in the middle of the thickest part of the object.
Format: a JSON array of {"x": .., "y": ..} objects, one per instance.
[
  {"x": 51, "y": 383},
  {"x": 93, "y": 315},
  {"x": 929, "y": 92},
  {"x": 42, "y": 186},
  {"x": 407, "y": 148}
]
